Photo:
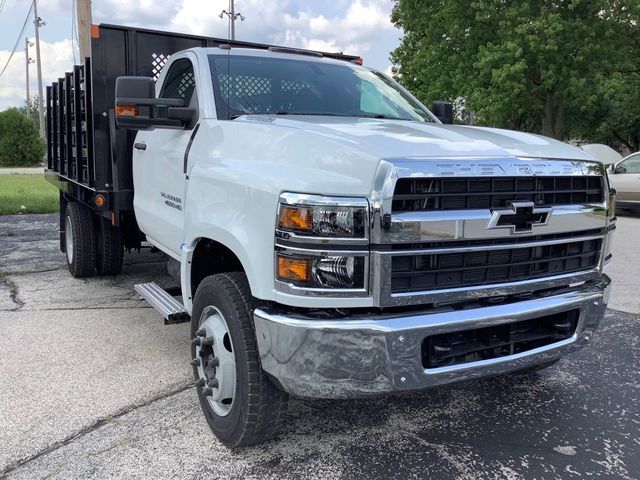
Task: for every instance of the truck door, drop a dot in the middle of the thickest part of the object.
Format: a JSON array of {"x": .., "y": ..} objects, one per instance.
[{"x": 158, "y": 164}]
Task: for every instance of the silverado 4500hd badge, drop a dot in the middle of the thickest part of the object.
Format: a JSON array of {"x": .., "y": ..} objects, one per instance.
[{"x": 171, "y": 200}]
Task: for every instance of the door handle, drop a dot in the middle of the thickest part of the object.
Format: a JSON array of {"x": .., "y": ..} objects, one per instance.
[{"x": 140, "y": 146}]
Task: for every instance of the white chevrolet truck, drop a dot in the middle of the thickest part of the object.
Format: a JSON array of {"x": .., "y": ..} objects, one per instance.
[{"x": 331, "y": 236}]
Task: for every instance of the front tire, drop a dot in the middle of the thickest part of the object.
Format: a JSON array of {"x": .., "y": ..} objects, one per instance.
[
  {"x": 80, "y": 240},
  {"x": 241, "y": 405}
]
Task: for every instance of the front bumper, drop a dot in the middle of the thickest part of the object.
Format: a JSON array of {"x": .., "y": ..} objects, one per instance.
[{"x": 361, "y": 355}]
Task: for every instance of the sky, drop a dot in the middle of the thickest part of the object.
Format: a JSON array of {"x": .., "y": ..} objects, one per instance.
[{"x": 359, "y": 27}]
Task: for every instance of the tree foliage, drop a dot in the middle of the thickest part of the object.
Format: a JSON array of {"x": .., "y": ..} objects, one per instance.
[
  {"x": 33, "y": 111},
  {"x": 20, "y": 143},
  {"x": 550, "y": 66}
]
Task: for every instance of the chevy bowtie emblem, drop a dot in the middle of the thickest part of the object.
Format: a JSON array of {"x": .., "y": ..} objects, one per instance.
[{"x": 519, "y": 217}]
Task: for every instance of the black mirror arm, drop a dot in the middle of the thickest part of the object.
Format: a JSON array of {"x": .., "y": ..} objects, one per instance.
[
  {"x": 181, "y": 113},
  {"x": 159, "y": 102}
]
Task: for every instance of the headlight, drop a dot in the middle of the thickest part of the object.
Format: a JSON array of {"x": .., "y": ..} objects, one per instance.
[
  {"x": 330, "y": 271},
  {"x": 304, "y": 226},
  {"x": 315, "y": 216}
]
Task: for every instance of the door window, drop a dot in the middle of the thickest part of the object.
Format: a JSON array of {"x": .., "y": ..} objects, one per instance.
[
  {"x": 180, "y": 81},
  {"x": 630, "y": 165}
]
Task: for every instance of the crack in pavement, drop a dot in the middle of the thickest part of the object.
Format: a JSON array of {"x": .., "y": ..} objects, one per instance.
[
  {"x": 174, "y": 390},
  {"x": 13, "y": 292}
]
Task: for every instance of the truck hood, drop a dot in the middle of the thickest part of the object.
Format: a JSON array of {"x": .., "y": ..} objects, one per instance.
[{"x": 404, "y": 139}]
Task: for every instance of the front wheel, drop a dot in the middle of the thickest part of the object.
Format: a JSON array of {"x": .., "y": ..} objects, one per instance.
[{"x": 241, "y": 405}]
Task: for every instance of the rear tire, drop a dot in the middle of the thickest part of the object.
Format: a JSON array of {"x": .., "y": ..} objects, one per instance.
[
  {"x": 80, "y": 240},
  {"x": 109, "y": 249},
  {"x": 256, "y": 408}
]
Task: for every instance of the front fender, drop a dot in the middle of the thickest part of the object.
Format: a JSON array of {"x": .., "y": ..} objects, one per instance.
[{"x": 236, "y": 173}]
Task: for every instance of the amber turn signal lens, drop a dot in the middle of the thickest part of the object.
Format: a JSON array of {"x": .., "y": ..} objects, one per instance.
[
  {"x": 127, "y": 110},
  {"x": 293, "y": 269},
  {"x": 296, "y": 218},
  {"x": 99, "y": 200}
]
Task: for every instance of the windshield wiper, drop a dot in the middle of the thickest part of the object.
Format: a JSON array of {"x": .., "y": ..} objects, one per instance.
[
  {"x": 353, "y": 115},
  {"x": 380, "y": 115},
  {"x": 329, "y": 114}
]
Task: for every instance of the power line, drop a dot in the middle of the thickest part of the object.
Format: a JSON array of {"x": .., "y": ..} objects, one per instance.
[
  {"x": 2, "y": 5},
  {"x": 26, "y": 20}
]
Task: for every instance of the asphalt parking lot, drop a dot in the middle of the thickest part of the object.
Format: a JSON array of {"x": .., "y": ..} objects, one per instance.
[{"x": 93, "y": 385}]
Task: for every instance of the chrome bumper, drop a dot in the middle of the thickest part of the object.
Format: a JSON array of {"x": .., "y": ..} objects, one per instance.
[{"x": 368, "y": 355}]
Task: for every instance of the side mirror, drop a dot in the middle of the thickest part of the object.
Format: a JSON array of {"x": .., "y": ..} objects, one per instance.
[
  {"x": 138, "y": 109},
  {"x": 444, "y": 111}
]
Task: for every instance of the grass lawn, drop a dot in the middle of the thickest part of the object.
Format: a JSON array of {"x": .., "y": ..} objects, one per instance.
[{"x": 27, "y": 194}]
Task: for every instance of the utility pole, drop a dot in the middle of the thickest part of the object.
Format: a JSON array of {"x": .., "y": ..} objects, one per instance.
[
  {"x": 231, "y": 13},
  {"x": 83, "y": 17},
  {"x": 39, "y": 23},
  {"x": 29, "y": 60}
]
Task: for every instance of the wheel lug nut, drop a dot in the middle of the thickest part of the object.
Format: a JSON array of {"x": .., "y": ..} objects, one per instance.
[
  {"x": 207, "y": 341},
  {"x": 197, "y": 341},
  {"x": 201, "y": 333},
  {"x": 213, "y": 361},
  {"x": 213, "y": 383},
  {"x": 207, "y": 391},
  {"x": 200, "y": 382},
  {"x": 195, "y": 362}
]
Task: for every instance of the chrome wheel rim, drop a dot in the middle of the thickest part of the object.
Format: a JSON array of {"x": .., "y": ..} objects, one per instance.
[
  {"x": 68, "y": 239},
  {"x": 217, "y": 361}
]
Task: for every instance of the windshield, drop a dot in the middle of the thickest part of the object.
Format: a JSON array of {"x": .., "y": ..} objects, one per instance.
[{"x": 276, "y": 86}]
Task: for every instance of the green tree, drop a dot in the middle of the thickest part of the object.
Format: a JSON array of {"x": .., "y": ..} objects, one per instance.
[
  {"x": 621, "y": 89},
  {"x": 33, "y": 111},
  {"x": 536, "y": 65},
  {"x": 20, "y": 143}
]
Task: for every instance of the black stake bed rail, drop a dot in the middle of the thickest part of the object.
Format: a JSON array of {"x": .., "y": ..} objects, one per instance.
[{"x": 88, "y": 159}]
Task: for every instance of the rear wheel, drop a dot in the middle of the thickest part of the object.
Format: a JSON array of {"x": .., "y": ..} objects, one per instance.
[
  {"x": 241, "y": 405},
  {"x": 80, "y": 240},
  {"x": 109, "y": 249}
]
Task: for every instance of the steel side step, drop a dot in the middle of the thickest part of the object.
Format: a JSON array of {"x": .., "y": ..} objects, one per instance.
[{"x": 171, "y": 309}]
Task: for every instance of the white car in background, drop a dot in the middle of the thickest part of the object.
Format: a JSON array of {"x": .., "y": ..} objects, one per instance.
[
  {"x": 602, "y": 153},
  {"x": 624, "y": 176}
]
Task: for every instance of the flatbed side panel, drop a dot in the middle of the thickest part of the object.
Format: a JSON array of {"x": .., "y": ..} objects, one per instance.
[
  {"x": 68, "y": 129},
  {"x": 78, "y": 144},
  {"x": 62, "y": 161},
  {"x": 48, "y": 130},
  {"x": 54, "y": 127},
  {"x": 88, "y": 119}
]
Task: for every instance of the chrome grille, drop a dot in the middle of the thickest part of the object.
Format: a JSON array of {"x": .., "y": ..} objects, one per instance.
[
  {"x": 415, "y": 273},
  {"x": 447, "y": 230},
  {"x": 467, "y": 193}
]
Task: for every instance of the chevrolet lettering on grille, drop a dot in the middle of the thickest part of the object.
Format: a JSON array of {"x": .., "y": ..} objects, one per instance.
[{"x": 519, "y": 217}]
